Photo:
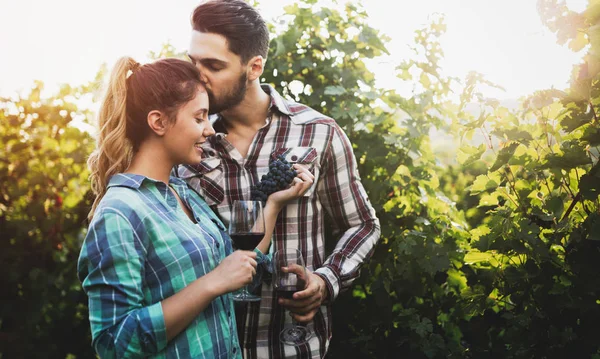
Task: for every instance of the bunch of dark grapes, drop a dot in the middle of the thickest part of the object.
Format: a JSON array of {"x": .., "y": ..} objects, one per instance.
[{"x": 280, "y": 176}]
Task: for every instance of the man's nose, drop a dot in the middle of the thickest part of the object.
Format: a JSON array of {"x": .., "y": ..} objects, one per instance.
[{"x": 203, "y": 77}]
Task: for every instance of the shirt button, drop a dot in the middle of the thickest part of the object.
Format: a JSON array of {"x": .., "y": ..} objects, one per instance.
[
  {"x": 234, "y": 350},
  {"x": 294, "y": 158}
]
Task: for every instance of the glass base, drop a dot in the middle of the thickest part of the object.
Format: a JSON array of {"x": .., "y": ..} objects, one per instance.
[
  {"x": 244, "y": 296},
  {"x": 295, "y": 335}
]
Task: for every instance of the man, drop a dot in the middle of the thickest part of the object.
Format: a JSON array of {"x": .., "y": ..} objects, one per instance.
[{"x": 254, "y": 125}]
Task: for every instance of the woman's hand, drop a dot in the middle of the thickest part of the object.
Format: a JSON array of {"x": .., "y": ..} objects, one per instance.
[
  {"x": 277, "y": 200},
  {"x": 232, "y": 273},
  {"x": 302, "y": 182},
  {"x": 235, "y": 271}
]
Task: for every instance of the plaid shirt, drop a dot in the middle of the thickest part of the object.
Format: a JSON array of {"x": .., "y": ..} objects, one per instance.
[
  {"x": 140, "y": 249},
  {"x": 303, "y": 136}
]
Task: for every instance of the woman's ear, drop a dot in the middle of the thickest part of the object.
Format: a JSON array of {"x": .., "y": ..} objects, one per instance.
[
  {"x": 256, "y": 66},
  {"x": 157, "y": 122}
]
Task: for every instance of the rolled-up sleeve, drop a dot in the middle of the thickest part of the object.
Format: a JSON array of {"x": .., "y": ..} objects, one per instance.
[
  {"x": 345, "y": 199},
  {"x": 111, "y": 269}
]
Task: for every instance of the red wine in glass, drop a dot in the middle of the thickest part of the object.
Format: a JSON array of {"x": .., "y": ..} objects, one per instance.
[
  {"x": 286, "y": 282},
  {"x": 287, "y": 291},
  {"x": 246, "y": 241},
  {"x": 246, "y": 229}
]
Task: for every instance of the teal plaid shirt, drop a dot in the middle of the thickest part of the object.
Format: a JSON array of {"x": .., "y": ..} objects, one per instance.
[{"x": 140, "y": 249}]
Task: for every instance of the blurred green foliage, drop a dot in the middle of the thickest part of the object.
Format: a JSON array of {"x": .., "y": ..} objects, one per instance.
[{"x": 43, "y": 206}]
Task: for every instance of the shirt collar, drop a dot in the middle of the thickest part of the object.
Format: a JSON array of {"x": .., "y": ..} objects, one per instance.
[
  {"x": 135, "y": 181},
  {"x": 277, "y": 101}
]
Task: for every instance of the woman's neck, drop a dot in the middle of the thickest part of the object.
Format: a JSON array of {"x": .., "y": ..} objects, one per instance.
[{"x": 151, "y": 162}]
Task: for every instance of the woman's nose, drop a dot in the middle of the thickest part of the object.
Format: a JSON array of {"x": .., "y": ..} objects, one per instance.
[{"x": 209, "y": 130}]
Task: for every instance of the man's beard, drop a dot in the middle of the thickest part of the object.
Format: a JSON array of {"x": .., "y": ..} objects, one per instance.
[{"x": 231, "y": 99}]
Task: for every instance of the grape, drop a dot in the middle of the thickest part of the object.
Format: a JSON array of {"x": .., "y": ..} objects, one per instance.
[{"x": 280, "y": 176}]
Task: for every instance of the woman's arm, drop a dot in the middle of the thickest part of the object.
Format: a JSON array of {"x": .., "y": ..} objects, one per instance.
[
  {"x": 232, "y": 273},
  {"x": 111, "y": 268}
]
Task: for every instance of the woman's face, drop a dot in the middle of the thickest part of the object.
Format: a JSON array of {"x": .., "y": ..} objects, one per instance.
[{"x": 191, "y": 128}]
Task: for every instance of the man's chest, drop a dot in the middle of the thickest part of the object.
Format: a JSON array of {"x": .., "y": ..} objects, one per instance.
[
  {"x": 225, "y": 175},
  {"x": 241, "y": 142}
]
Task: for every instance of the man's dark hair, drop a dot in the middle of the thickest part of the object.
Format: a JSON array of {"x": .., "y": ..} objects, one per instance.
[{"x": 240, "y": 23}]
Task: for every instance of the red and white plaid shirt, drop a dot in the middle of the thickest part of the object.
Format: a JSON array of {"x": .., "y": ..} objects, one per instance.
[{"x": 301, "y": 135}]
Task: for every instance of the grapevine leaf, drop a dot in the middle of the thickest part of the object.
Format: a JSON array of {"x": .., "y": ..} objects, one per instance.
[{"x": 504, "y": 156}]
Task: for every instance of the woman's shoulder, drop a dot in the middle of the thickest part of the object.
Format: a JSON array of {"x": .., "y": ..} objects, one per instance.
[{"x": 121, "y": 201}]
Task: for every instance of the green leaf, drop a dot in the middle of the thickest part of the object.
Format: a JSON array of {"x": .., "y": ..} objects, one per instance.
[
  {"x": 476, "y": 257},
  {"x": 334, "y": 90},
  {"x": 504, "y": 155},
  {"x": 488, "y": 200},
  {"x": 457, "y": 279},
  {"x": 279, "y": 47},
  {"x": 591, "y": 135},
  {"x": 576, "y": 119},
  {"x": 579, "y": 42},
  {"x": 589, "y": 187},
  {"x": 423, "y": 328},
  {"x": 514, "y": 134},
  {"x": 479, "y": 122},
  {"x": 467, "y": 155},
  {"x": 572, "y": 156},
  {"x": 556, "y": 205},
  {"x": 594, "y": 231},
  {"x": 485, "y": 182},
  {"x": 479, "y": 232}
]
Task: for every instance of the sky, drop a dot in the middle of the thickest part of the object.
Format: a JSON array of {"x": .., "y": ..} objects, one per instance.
[{"x": 66, "y": 41}]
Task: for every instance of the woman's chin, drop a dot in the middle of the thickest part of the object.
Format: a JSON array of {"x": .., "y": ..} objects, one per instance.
[{"x": 194, "y": 160}]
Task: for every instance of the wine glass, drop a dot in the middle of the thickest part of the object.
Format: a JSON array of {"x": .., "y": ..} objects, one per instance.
[
  {"x": 246, "y": 229},
  {"x": 286, "y": 283}
]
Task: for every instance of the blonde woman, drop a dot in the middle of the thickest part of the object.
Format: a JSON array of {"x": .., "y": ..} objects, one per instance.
[{"x": 157, "y": 264}]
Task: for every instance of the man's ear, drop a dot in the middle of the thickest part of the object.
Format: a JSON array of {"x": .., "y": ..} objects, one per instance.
[
  {"x": 256, "y": 66},
  {"x": 157, "y": 122}
]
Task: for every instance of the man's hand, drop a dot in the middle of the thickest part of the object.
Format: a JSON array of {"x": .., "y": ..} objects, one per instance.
[{"x": 305, "y": 303}]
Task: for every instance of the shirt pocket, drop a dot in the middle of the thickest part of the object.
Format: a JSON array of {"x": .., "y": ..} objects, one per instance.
[
  {"x": 305, "y": 156},
  {"x": 206, "y": 178}
]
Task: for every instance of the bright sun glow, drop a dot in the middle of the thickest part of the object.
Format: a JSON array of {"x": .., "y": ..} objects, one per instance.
[{"x": 66, "y": 41}]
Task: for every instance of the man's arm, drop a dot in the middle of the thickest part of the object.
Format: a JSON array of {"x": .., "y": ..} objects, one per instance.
[{"x": 344, "y": 198}]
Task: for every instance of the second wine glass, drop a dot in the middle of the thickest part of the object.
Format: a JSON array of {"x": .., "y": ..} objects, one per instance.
[
  {"x": 246, "y": 229},
  {"x": 288, "y": 278}
]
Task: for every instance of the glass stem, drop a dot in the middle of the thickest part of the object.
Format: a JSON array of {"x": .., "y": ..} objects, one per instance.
[{"x": 295, "y": 325}]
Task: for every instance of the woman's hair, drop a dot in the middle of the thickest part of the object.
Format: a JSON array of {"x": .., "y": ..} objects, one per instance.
[
  {"x": 241, "y": 24},
  {"x": 133, "y": 92}
]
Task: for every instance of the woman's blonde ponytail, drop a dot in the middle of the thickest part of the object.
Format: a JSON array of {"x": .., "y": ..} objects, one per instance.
[{"x": 113, "y": 151}]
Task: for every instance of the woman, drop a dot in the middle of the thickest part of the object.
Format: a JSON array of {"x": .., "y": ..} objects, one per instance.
[{"x": 156, "y": 263}]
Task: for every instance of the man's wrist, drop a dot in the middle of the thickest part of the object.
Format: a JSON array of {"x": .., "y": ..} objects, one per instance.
[{"x": 323, "y": 289}]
